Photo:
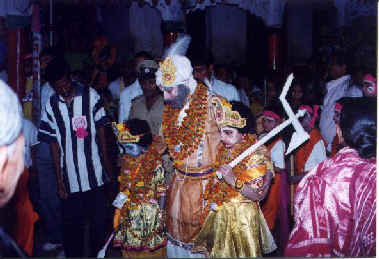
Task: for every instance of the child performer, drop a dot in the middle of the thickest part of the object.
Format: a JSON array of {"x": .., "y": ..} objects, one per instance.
[
  {"x": 140, "y": 217},
  {"x": 234, "y": 225},
  {"x": 277, "y": 201},
  {"x": 312, "y": 152}
]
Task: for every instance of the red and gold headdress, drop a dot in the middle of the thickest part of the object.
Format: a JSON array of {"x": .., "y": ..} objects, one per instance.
[
  {"x": 224, "y": 114},
  {"x": 123, "y": 133}
]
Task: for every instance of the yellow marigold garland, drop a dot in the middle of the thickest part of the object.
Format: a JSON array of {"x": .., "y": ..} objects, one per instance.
[{"x": 192, "y": 129}]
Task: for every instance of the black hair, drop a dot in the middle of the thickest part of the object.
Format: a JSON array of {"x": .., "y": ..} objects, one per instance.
[
  {"x": 143, "y": 54},
  {"x": 56, "y": 70},
  {"x": 246, "y": 113},
  {"x": 199, "y": 60},
  {"x": 358, "y": 125},
  {"x": 340, "y": 57},
  {"x": 138, "y": 127}
]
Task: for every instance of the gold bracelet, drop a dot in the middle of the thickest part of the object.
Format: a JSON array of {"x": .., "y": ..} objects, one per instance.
[{"x": 238, "y": 184}]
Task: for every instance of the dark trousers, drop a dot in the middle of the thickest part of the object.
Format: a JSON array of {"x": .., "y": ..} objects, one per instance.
[
  {"x": 78, "y": 209},
  {"x": 49, "y": 204}
]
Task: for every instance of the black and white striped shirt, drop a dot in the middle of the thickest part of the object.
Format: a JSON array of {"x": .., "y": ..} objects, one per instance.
[{"x": 81, "y": 161}]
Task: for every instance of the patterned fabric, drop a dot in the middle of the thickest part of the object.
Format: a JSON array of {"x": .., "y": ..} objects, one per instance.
[
  {"x": 335, "y": 209},
  {"x": 142, "y": 226}
]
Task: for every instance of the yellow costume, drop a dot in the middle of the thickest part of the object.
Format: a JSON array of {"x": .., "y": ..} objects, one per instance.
[
  {"x": 140, "y": 221},
  {"x": 236, "y": 226}
]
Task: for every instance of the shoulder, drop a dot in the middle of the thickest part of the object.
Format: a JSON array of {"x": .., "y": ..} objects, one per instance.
[
  {"x": 115, "y": 83},
  {"x": 138, "y": 99},
  {"x": 134, "y": 88},
  {"x": 28, "y": 125}
]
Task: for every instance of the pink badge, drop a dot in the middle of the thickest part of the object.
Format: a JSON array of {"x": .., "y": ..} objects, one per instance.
[{"x": 79, "y": 125}]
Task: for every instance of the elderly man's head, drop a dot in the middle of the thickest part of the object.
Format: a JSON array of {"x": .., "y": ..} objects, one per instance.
[{"x": 11, "y": 142}]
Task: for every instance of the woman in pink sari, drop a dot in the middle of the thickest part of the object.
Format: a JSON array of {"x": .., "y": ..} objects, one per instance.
[{"x": 335, "y": 204}]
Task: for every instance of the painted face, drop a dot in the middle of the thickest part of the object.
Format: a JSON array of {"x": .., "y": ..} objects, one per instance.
[
  {"x": 64, "y": 87},
  {"x": 175, "y": 96},
  {"x": 337, "y": 116},
  {"x": 268, "y": 123},
  {"x": 133, "y": 149},
  {"x": 230, "y": 136}
]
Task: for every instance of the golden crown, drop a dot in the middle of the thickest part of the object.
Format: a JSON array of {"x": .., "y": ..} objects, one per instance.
[
  {"x": 224, "y": 115},
  {"x": 168, "y": 71},
  {"x": 123, "y": 134}
]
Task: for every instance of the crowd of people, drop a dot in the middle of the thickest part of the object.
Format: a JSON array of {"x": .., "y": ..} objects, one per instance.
[{"x": 166, "y": 130}]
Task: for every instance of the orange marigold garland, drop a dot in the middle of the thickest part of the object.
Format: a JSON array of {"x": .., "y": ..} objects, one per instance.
[
  {"x": 189, "y": 134},
  {"x": 220, "y": 191},
  {"x": 138, "y": 181}
]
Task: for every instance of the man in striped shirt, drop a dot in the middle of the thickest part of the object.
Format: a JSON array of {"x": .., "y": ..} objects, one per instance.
[{"x": 73, "y": 124}]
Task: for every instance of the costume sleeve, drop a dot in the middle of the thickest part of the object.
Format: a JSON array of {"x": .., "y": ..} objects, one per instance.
[
  {"x": 47, "y": 129},
  {"x": 98, "y": 112},
  {"x": 257, "y": 166}
]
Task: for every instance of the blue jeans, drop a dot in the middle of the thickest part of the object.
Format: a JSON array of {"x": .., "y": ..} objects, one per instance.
[{"x": 49, "y": 202}]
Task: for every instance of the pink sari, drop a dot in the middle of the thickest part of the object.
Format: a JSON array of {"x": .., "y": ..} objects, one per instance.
[{"x": 335, "y": 209}]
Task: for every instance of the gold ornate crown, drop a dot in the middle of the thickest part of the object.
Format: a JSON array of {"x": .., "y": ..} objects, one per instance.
[
  {"x": 123, "y": 134},
  {"x": 224, "y": 115},
  {"x": 168, "y": 71}
]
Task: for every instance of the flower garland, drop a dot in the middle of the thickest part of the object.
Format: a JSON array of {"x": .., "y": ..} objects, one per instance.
[
  {"x": 137, "y": 183},
  {"x": 220, "y": 191},
  {"x": 189, "y": 134}
]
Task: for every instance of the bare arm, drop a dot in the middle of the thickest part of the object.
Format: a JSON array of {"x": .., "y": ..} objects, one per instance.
[
  {"x": 56, "y": 160},
  {"x": 103, "y": 150}
]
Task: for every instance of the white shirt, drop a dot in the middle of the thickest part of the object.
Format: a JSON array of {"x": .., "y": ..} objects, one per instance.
[
  {"x": 4, "y": 76},
  {"x": 126, "y": 97},
  {"x": 243, "y": 97},
  {"x": 277, "y": 154},
  {"x": 31, "y": 139},
  {"x": 115, "y": 88},
  {"x": 46, "y": 92},
  {"x": 317, "y": 155},
  {"x": 225, "y": 90},
  {"x": 336, "y": 89}
]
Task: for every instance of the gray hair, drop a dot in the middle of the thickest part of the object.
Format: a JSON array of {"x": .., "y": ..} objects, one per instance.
[{"x": 10, "y": 115}]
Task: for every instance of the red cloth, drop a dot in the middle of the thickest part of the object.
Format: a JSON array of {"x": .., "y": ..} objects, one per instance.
[
  {"x": 335, "y": 209},
  {"x": 25, "y": 215}
]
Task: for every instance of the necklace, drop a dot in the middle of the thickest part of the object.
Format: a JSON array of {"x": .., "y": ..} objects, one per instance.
[{"x": 183, "y": 140}]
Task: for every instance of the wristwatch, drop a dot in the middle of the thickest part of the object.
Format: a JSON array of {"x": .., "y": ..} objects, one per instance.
[{"x": 238, "y": 184}]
